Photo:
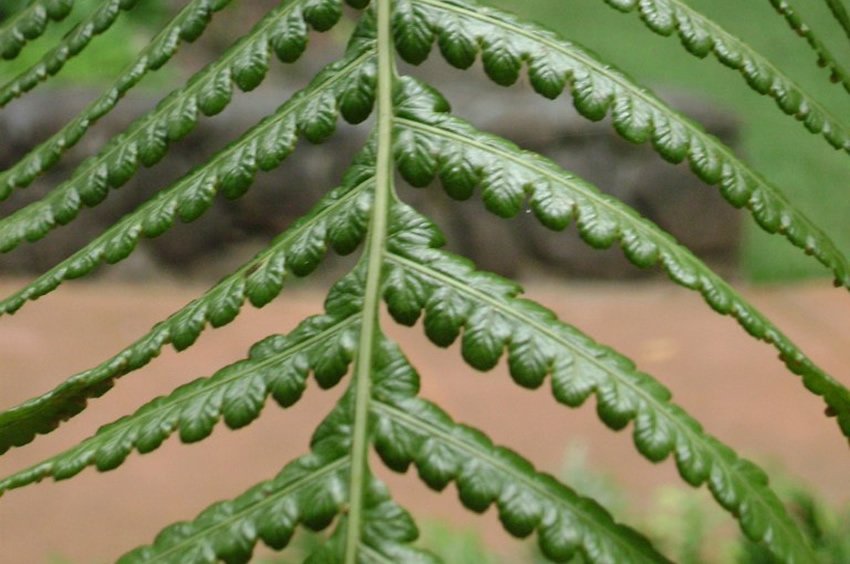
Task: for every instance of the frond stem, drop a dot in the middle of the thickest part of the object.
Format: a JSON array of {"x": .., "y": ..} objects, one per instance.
[{"x": 372, "y": 298}]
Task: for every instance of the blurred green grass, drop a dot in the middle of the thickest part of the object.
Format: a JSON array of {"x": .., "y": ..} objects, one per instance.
[{"x": 809, "y": 172}]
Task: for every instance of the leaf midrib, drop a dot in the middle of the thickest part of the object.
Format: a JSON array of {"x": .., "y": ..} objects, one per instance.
[{"x": 374, "y": 257}]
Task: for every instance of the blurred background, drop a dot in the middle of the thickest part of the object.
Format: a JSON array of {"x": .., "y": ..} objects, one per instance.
[{"x": 736, "y": 387}]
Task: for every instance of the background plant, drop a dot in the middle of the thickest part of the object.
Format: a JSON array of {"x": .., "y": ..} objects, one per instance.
[{"x": 402, "y": 265}]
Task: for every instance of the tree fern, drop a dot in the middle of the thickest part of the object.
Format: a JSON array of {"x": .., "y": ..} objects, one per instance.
[{"x": 402, "y": 268}]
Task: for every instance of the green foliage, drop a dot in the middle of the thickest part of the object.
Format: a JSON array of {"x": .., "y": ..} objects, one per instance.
[{"x": 403, "y": 268}]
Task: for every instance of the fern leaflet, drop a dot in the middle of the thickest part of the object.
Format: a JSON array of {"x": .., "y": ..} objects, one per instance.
[
  {"x": 454, "y": 297},
  {"x": 339, "y": 221},
  {"x": 208, "y": 92},
  {"x": 313, "y": 113},
  {"x": 30, "y": 24}
]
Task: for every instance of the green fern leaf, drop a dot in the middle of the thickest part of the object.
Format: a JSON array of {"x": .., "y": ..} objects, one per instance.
[
  {"x": 338, "y": 220},
  {"x": 48, "y": 153},
  {"x": 30, "y": 24},
  {"x": 491, "y": 319},
  {"x": 701, "y": 36},
  {"x": 403, "y": 266},
  {"x": 527, "y": 501},
  {"x": 389, "y": 528},
  {"x": 409, "y": 430},
  {"x": 599, "y": 90},
  {"x": 310, "y": 490},
  {"x": 509, "y": 178},
  {"x": 278, "y": 366},
  {"x": 414, "y": 36},
  {"x": 208, "y": 90},
  {"x": 312, "y": 112}
]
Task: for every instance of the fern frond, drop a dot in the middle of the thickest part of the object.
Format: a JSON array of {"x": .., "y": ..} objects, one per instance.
[
  {"x": 245, "y": 64},
  {"x": 409, "y": 430},
  {"x": 462, "y": 29},
  {"x": 417, "y": 432},
  {"x": 310, "y": 490},
  {"x": 431, "y": 144},
  {"x": 825, "y": 58},
  {"x": 339, "y": 220},
  {"x": 278, "y": 366},
  {"x": 492, "y": 319},
  {"x": 188, "y": 25},
  {"x": 343, "y": 87},
  {"x": 701, "y": 36},
  {"x": 30, "y": 24},
  {"x": 402, "y": 266}
]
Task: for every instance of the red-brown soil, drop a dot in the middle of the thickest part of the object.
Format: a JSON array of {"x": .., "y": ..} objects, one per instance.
[{"x": 734, "y": 385}]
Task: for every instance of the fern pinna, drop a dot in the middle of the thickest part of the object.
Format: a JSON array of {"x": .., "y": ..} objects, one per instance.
[{"x": 403, "y": 268}]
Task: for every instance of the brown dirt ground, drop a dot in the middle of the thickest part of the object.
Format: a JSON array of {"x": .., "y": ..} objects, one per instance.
[{"x": 734, "y": 385}]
